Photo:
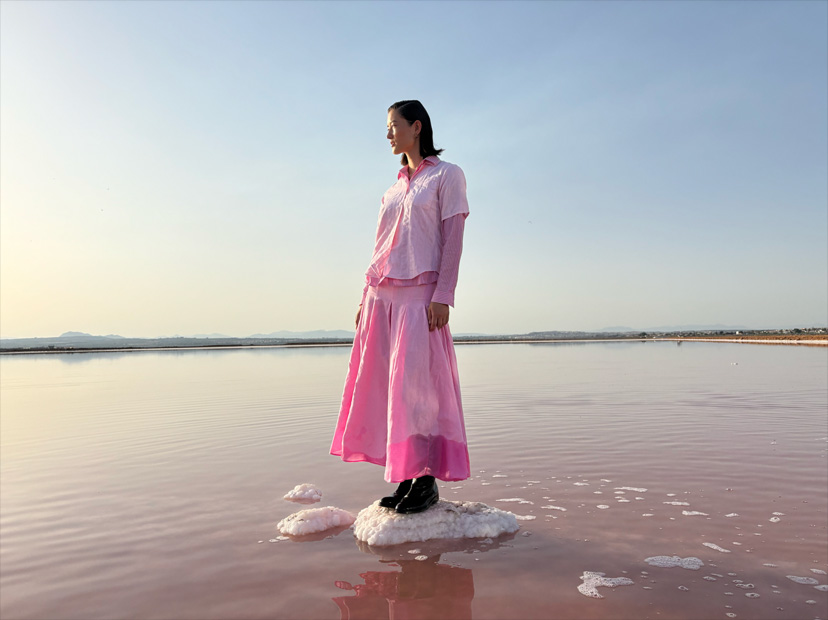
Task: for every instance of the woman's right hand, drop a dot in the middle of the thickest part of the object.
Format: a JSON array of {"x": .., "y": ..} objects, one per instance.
[{"x": 356, "y": 323}]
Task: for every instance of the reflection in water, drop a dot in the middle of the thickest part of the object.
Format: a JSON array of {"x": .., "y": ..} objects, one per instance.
[{"x": 420, "y": 589}]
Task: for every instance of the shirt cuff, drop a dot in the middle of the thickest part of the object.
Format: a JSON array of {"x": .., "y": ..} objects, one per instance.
[{"x": 443, "y": 297}]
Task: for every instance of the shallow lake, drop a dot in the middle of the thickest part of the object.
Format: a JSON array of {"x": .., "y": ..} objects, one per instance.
[{"x": 149, "y": 484}]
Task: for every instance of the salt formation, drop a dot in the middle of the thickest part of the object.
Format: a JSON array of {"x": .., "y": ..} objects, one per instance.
[
  {"x": 314, "y": 520},
  {"x": 808, "y": 581},
  {"x": 666, "y": 561},
  {"x": 446, "y": 519},
  {"x": 716, "y": 547},
  {"x": 592, "y": 581},
  {"x": 304, "y": 491}
]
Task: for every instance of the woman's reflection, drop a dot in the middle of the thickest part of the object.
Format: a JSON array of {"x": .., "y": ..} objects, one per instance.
[{"x": 420, "y": 589}]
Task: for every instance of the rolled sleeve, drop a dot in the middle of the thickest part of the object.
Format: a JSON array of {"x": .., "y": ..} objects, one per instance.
[{"x": 452, "y": 192}]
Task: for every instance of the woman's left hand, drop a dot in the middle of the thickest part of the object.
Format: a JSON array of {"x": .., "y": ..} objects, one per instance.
[{"x": 438, "y": 315}]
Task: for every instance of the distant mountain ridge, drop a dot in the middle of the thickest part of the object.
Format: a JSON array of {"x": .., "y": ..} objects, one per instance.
[
  {"x": 319, "y": 333},
  {"x": 85, "y": 335}
]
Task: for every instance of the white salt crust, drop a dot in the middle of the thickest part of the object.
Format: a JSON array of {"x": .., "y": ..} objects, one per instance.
[
  {"x": 304, "y": 491},
  {"x": 667, "y": 561},
  {"x": 592, "y": 581},
  {"x": 446, "y": 519},
  {"x": 716, "y": 547},
  {"x": 808, "y": 581},
  {"x": 314, "y": 520}
]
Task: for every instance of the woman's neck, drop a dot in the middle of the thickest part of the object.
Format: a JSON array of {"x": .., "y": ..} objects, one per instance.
[{"x": 414, "y": 161}]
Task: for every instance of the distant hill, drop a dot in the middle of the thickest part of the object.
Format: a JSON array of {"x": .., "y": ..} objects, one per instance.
[
  {"x": 85, "y": 336},
  {"x": 319, "y": 333}
]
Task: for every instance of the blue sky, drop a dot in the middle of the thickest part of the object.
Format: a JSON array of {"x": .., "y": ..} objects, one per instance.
[{"x": 198, "y": 167}]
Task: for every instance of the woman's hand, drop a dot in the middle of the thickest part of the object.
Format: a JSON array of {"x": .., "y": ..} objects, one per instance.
[
  {"x": 359, "y": 311},
  {"x": 438, "y": 315}
]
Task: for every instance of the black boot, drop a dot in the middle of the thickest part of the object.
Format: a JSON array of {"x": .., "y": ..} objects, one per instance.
[
  {"x": 390, "y": 501},
  {"x": 422, "y": 495}
]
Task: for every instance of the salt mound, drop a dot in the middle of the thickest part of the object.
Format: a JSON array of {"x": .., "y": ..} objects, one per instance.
[
  {"x": 314, "y": 520},
  {"x": 667, "y": 561},
  {"x": 445, "y": 519},
  {"x": 594, "y": 580},
  {"x": 304, "y": 491}
]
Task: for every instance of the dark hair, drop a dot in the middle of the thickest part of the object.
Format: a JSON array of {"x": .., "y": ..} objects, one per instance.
[{"x": 412, "y": 110}]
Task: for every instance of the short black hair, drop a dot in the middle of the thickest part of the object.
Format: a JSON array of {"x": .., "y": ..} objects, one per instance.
[{"x": 412, "y": 110}]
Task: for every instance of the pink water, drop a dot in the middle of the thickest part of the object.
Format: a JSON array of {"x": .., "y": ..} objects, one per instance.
[{"x": 148, "y": 485}]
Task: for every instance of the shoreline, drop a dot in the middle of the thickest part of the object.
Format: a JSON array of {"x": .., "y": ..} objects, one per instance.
[{"x": 813, "y": 342}]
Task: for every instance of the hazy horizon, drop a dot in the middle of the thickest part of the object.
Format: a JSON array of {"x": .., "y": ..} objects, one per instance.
[
  {"x": 285, "y": 333},
  {"x": 217, "y": 167}
]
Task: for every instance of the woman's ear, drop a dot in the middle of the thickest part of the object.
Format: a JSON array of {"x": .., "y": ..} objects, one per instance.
[{"x": 418, "y": 127}]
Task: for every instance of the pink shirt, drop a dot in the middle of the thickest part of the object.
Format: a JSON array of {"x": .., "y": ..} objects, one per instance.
[{"x": 420, "y": 229}]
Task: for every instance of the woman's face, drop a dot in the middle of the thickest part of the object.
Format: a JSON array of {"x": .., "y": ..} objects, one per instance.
[{"x": 402, "y": 135}]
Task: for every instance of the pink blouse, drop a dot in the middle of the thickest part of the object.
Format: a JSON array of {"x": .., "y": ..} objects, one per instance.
[{"x": 435, "y": 192}]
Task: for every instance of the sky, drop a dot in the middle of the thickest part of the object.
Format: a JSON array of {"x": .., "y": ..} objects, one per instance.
[{"x": 178, "y": 168}]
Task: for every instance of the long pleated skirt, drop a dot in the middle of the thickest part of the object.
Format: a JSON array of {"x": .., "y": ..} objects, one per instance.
[{"x": 401, "y": 404}]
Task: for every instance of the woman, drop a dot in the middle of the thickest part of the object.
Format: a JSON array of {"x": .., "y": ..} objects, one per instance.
[{"x": 401, "y": 405}]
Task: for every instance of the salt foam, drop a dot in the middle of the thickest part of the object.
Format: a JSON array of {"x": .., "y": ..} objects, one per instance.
[
  {"x": 667, "y": 561},
  {"x": 592, "y": 581},
  {"x": 446, "y": 519},
  {"x": 304, "y": 491},
  {"x": 314, "y": 520},
  {"x": 716, "y": 547}
]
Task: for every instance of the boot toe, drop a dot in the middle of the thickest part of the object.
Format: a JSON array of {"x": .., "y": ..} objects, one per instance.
[
  {"x": 389, "y": 501},
  {"x": 418, "y": 502}
]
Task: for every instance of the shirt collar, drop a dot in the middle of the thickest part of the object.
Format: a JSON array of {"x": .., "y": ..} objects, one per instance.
[{"x": 431, "y": 160}]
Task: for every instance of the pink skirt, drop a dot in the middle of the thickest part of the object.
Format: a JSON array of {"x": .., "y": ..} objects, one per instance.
[{"x": 401, "y": 405}]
